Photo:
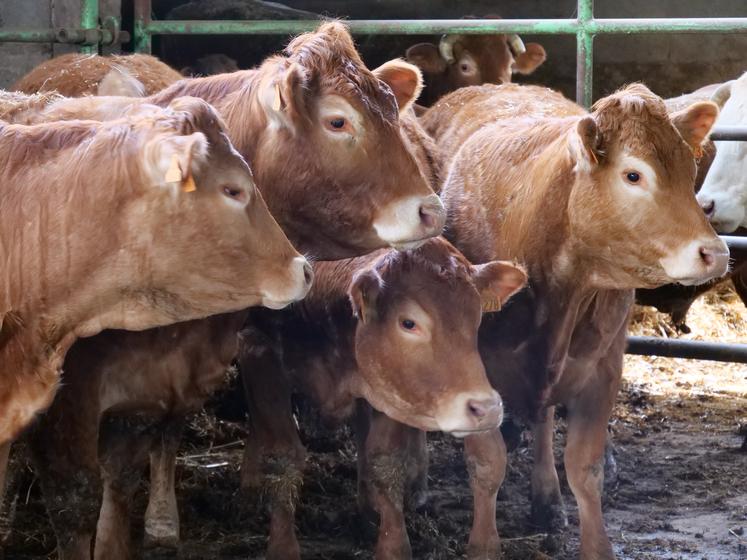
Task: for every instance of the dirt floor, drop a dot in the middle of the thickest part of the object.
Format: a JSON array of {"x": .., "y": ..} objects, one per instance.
[{"x": 681, "y": 491}]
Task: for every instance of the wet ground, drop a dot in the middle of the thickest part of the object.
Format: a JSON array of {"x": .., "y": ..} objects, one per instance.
[{"x": 681, "y": 491}]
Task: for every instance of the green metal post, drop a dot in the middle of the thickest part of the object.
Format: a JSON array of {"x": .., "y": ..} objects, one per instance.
[
  {"x": 584, "y": 53},
  {"x": 89, "y": 19},
  {"x": 141, "y": 32}
]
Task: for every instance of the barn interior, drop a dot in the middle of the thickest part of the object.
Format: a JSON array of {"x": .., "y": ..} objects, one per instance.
[{"x": 677, "y": 486}]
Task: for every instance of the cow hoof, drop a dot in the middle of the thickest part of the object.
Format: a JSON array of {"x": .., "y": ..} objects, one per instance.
[
  {"x": 161, "y": 533},
  {"x": 549, "y": 518},
  {"x": 484, "y": 552}
]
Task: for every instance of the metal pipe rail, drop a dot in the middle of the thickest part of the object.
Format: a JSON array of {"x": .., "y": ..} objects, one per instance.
[
  {"x": 688, "y": 349},
  {"x": 585, "y": 27}
]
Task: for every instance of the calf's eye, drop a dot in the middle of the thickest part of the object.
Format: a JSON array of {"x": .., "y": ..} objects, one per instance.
[
  {"x": 633, "y": 177},
  {"x": 337, "y": 123},
  {"x": 408, "y": 324},
  {"x": 232, "y": 192}
]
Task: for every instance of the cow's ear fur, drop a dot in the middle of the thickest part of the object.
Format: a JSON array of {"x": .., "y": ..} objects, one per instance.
[
  {"x": 695, "y": 122},
  {"x": 118, "y": 81},
  {"x": 588, "y": 142},
  {"x": 405, "y": 80},
  {"x": 528, "y": 61},
  {"x": 426, "y": 57},
  {"x": 496, "y": 282},
  {"x": 175, "y": 159},
  {"x": 363, "y": 292},
  {"x": 282, "y": 96}
]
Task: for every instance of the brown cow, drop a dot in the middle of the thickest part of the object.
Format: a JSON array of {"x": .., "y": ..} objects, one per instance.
[
  {"x": 405, "y": 341},
  {"x": 74, "y": 75},
  {"x": 470, "y": 60},
  {"x": 139, "y": 251},
  {"x": 594, "y": 204},
  {"x": 347, "y": 190}
]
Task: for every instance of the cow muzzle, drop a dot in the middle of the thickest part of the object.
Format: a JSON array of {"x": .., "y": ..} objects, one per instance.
[
  {"x": 406, "y": 224},
  {"x": 300, "y": 278},
  {"x": 471, "y": 412},
  {"x": 697, "y": 262}
]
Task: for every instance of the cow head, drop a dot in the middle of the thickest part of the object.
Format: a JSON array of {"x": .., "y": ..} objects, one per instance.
[
  {"x": 333, "y": 161},
  {"x": 470, "y": 60},
  {"x": 633, "y": 205},
  {"x": 723, "y": 195},
  {"x": 416, "y": 339},
  {"x": 204, "y": 228}
]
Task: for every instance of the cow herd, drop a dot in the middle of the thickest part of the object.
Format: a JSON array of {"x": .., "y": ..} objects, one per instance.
[{"x": 478, "y": 254}]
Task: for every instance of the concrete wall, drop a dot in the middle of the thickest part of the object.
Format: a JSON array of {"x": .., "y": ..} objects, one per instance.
[{"x": 669, "y": 64}]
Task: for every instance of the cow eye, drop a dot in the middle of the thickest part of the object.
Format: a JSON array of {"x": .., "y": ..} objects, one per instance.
[
  {"x": 337, "y": 123},
  {"x": 464, "y": 67},
  {"x": 633, "y": 177},
  {"x": 408, "y": 324},
  {"x": 232, "y": 192}
]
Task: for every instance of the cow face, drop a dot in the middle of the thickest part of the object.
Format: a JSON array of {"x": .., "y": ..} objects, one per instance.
[
  {"x": 633, "y": 205},
  {"x": 416, "y": 339},
  {"x": 470, "y": 60},
  {"x": 723, "y": 196},
  {"x": 343, "y": 178},
  {"x": 210, "y": 237}
]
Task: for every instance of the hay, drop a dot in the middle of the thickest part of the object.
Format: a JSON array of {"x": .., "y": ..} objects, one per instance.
[{"x": 718, "y": 316}]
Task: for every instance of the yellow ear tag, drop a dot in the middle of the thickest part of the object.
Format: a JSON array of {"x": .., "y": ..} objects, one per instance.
[
  {"x": 276, "y": 101},
  {"x": 174, "y": 173},
  {"x": 491, "y": 305},
  {"x": 189, "y": 184},
  {"x": 698, "y": 152}
]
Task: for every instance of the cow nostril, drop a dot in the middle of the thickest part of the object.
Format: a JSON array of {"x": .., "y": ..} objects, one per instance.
[
  {"x": 476, "y": 408},
  {"x": 707, "y": 256},
  {"x": 708, "y": 207},
  {"x": 427, "y": 218},
  {"x": 308, "y": 274}
]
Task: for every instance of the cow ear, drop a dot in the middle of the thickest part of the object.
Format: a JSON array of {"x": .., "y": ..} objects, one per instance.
[
  {"x": 363, "y": 292},
  {"x": 722, "y": 94},
  {"x": 496, "y": 282},
  {"x": 175, "y": 160},
  {"x": 528, "y": 61},
  {"x": 426, "y": 57},
  {"x": 588, "y": 142},
  {"x": 282, "y": 97},
  {"x": 405, "y": 80},
  {"x": 119, "y": 81},
  {"x": 695, "y": 122}
]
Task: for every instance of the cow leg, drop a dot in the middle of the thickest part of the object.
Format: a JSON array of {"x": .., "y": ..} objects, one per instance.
[
  {"x": 64, "y": 448},
  {"x": 588, "y": 416},
  {"x": 387, "y": 472},
  {"x": 162, "y": 514},
  {"x": 274, "y": 457},
  {"x": 124, "y": 452},
  {"x": 486, "y": 458},
  {"x": 548, "y": 513}
]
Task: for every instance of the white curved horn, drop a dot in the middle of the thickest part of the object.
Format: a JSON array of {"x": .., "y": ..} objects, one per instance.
[
  {"x": 446, "y": 47},
  {"x": 516, "y": 44}
]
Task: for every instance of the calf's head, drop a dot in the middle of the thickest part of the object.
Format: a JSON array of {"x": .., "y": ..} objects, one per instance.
[
  {"x": 723, "y": 195},
  {"x": 470, "y": 60},
  {"x": 334, "y": 162},
  {"x": 632, "y": 208},
  {"x": 206, "y": 233},
  {"x": 416, "y": 339}
]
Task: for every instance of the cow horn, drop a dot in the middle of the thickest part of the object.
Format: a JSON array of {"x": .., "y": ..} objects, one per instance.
[
  {"x": 516, "y": 44},
  {"x": 446, "y": 47}
]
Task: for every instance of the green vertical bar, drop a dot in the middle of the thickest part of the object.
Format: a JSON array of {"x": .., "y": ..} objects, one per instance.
[
  {"x": 585, "y": 54},
  {"x": 89, "y": 19},
  {"x": 142, "y": 40}
]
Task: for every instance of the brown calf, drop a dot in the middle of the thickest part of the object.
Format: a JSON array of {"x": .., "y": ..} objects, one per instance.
[
  {"x": 470, "y": 60},
  {"x": 74, "y": 75},
  {"x": 594, "y": 205},
  {"x": 405, "y": 341},
  {"x": 347, "y": 190},
  {"x": 128, "y": 224}
]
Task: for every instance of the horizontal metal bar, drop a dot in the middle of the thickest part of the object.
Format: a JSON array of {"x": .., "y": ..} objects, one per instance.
[
  {"x": 688, "y": 349},
  {"x": 62, "y": 35},
  {"x": 735, "y": 242},
  {"x": 466, "y": 26},
  {"x": 738, "y": 133}
]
